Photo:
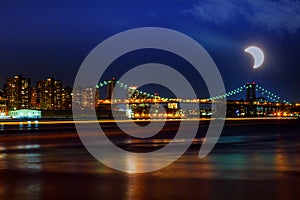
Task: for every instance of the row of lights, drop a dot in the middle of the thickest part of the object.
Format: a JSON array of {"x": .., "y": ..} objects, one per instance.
[
  {"x": 260, "y": 89},
  {"x": 269, "y": 94},
  {"x": 122, "y": 85},
  {"x": 228, "y": 94}
]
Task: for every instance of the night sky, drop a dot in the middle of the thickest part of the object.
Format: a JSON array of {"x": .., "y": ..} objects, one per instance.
[{"x": 51, "y": 38}]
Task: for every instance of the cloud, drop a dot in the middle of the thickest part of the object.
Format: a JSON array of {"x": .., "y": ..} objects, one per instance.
[{"x": 271, "y": 15}]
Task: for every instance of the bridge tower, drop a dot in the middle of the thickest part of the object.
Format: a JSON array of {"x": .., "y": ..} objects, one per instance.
[
  {"x": 110, "y": 88},
  {"x": 251, "y": 92}
]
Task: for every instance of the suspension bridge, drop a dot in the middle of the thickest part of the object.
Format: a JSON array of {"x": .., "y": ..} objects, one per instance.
[
  {"x": 247, "y": 88},
  {"x": 259, "y": 101}
]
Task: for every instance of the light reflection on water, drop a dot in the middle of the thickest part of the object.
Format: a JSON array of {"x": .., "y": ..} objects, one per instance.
[
  {"x": 29, "y": 161},
  {"x": 240, "y": 161},
  {"x": 36, "y": 124},
  {"x": 243, "y": 157},
  {"x": 28, "y": 146},
  {"x": 22, "y": 125},
  {"x": 220, "y": 166},
  {"x": 160, "y": 142}
]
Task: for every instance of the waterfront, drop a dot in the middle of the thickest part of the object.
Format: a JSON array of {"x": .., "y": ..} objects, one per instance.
[{"x": 254, "y": 159}]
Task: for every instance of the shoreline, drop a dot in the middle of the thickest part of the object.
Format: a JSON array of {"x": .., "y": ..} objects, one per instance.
[{"x": 71, "y": 120}]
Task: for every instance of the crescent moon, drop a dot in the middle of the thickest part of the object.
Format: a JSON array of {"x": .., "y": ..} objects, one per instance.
[{"x": 257, "y": 54}]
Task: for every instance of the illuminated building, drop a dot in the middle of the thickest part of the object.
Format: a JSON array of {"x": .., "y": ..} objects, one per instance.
[
  {"x": 66, "y": 98},
  {"x": 3, "y": 106},
  {"x": 85, "y": 98},
  {"x": 18, "y": 92},
  {"x": 136, "y": 108},
  {"x": 34, "y": 103},
  {"x": 2, "y": 94},
  {"x": 25, "y": 113},
  {"x": 49, "y": 94}
]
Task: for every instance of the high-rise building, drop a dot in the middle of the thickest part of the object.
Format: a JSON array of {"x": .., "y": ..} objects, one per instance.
[
  {"x": 85, "y": 98},
  {"x": 34, "y": 103},
  {"x": 49, "y": 94},
  {"x": 251, "y": 92},
  {"x": 110, "y": 89},
  {"x": 3, "y": 106},
  {"x": 66, "y": 98},
  {"x": 2, "y": 94},
  {"x": 18, "y": 92}
]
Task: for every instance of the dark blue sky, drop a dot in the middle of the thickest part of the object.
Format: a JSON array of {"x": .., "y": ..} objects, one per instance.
[{"x": 52, "y": 38}]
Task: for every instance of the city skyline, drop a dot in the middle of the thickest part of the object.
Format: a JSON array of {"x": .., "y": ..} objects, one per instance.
[
  {"x": 56, "y": 42},
  {"x": 161, "y": 99},
  {"x": 48, "y": 82}
]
